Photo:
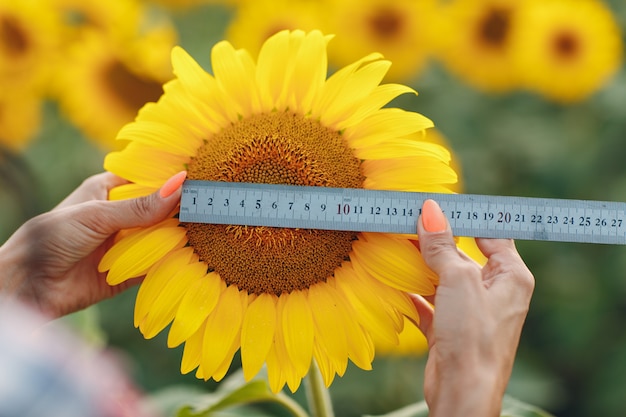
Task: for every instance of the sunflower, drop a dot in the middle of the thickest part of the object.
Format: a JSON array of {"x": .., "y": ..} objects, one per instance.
[
  {"x": 117, "y": 18},
  {"x": 399, "y": 29},
  {"x": 29, "y": 35},
  {"x": 284, "y": 297},
  {"x": 256, "y": 20},
  {"x": 474, "y": 42},
  {"x": 567, "y": 49},
  {"x": 107, "y": 81},
  {"x": 20, "y": 117}
]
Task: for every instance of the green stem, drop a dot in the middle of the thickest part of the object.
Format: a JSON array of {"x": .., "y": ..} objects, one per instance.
[
  {"x": 317, "y": 393},
  {"x": 291, "y": 405}
]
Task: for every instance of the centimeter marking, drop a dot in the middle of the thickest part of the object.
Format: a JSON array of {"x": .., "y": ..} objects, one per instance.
[{"x": 363, "y": 210}]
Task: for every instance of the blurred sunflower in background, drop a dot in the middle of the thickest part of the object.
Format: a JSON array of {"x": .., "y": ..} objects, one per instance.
[
  {"x": 399, "y": 29},
  {"x": 117, "y": 75},
  {"x": 29, "y": 36},
  {"x": 567, "y": 50},
  {"x": 282, "y": 296},
  {"x": 255, "y": 21},
  {"x": 475, "y": 42}
]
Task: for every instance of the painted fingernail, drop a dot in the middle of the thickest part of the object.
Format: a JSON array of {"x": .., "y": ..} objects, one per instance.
[
  {"x": 172, "y": 184},
  {"x": 433, "y": 218}
]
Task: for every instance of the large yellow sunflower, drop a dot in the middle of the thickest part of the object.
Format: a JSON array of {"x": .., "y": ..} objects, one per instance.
[
  {"x": 399, "y": 29},
  {"x": 474, "y": 42},
  {"x": 284, "y": 297},
  {"x": 567, "y": 49}
]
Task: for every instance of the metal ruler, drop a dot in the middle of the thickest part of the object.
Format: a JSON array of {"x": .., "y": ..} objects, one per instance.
[{"x": 366, "y": 210}]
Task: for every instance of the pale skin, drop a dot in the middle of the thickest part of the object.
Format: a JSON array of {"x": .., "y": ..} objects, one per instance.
[
  {"x": 51, "y": 262},
  {"x": 474, "y": 330}
]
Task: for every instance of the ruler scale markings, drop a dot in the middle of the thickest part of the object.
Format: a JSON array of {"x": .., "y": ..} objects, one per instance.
[{"x": 524, "y": 218}]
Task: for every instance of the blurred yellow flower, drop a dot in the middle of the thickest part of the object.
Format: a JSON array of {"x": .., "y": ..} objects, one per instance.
[
  {"x": 567, "y": 49},
  {"x": 20, "y": 118},
  {"x": 29, "y": 36},
  {"x": 105, "y": 82},
  {"x": 284, "y": 297},
  {"x": 256, "y": 20},
  {"x": 116, "y": 18},
  {"x": 474, "y": 42},
  {"x": 399, "y": 29}
]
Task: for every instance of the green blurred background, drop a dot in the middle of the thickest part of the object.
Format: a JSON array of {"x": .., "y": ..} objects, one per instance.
[{"x": 572, "y": 356}]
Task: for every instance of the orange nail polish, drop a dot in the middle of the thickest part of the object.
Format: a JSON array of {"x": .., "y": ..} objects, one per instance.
[
  {"x": 433, "y": 218},
  {"x": 172, "y": 184}
]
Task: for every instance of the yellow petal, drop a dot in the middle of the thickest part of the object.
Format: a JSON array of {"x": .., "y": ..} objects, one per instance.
[
  {"x": 309, "y": 72},
  {"x": 415, "y": 173},
  {"x": 192, "y": 352},
  {"x": 123, "y": 251},
  {"x": 223, "y": 326},
  {"x": 297, "y": 325},
  {"x": 234, "y": 72},
  {"x": 370, "y": 311},
  {"x": 275, "y": 374},
  {"x": 334, "y": 88},
  {"x": 257, "y": 333},
  {"x": 324, "y": 365},
  {"x": 379, "y": 97},
  {"x": 395, "y": 262},
  {"x": 157, "y": 278},
  {"x": 354, "y": 91},
  {"x": 197, "y": 303},
  {"x": 161, "y": 136},
  {"x": 126, "y": 191},
  {"x": 164, "y": 308},
  {"x": 330, "y": 333},
  {"x": 144, "y": 165},
  {"x": 400, "y": 148},
  {"x": 384, "y": 125}
]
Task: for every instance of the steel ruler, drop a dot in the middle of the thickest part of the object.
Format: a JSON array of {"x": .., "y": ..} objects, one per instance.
[{"x": 365, "y": 210}]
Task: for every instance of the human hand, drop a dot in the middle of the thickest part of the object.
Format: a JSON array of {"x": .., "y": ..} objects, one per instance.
[
  {"x": 51, "y": 261},
  {"x": 474, "y": 330}
]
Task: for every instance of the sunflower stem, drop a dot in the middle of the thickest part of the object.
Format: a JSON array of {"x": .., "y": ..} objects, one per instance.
[{"x": 317, "y": 394}]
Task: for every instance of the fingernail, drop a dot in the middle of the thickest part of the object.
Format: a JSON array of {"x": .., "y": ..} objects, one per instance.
[
  {"x": 433, "y": 218},
  {"x": 172, "y": 184}
]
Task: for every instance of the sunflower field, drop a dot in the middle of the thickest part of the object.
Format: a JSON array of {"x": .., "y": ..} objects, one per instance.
[{"x": 515, "y": 98}]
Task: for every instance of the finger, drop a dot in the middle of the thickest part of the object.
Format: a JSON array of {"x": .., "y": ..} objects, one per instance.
[
  {"x": 107, "y": 217},
  {"x": 95, "y": 187},
  {"x": 426, "y": 313},
  {"x": 437, "y": 244}
]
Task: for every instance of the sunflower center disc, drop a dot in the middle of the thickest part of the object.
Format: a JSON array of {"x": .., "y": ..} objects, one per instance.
[{"x": 274, "y": 148}]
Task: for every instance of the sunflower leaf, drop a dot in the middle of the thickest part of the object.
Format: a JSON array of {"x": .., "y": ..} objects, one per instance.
[
  {"x": 230, "y": 396},
  {"x": 511, "y": 407}
]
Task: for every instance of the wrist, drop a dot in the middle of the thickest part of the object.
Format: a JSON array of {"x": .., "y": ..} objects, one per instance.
[
  {"x": 469, "y": 394},
  {"x": 13, "y": 270}
]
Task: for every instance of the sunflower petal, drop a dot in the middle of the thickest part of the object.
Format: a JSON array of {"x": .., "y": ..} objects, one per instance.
[
  {"x": 385, "y": 124},
  {"x": 370, "y": 311},
  {"x": 297, "y": 324},
  {"x": 197, "y": 303},
  {"x": 126, "y": 191},
  {"x": 223, "y": 326},
  {"x": 157, "y": 278},
  {"x": 414, "y": 173},
  {"x": 135, "y": 253},
  {"x": 329, "y": 330},
  {"x": 395, "y": 262},
  {"x": 164, "y": 308},
  {"x": 192, "y": 353},
  {"x": 257, "y": 333}
]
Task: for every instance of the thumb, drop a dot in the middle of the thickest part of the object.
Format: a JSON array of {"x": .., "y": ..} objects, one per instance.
[
  {"x": 141, "y": 211},
  {"x": 436, "y": 242}
]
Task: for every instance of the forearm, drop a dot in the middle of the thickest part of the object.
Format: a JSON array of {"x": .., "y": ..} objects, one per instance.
[
  {"x": 468, "y": 394},
  {"x": 14, "y": 274}
]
